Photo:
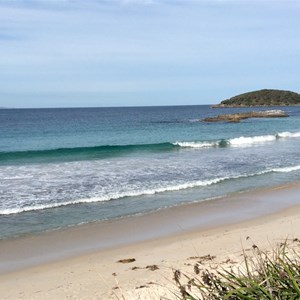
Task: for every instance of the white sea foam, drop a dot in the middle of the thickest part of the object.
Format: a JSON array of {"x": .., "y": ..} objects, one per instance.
[
  {"x": 287, "y": 169},
  {"x": 196, "y": 144},
  {"x": 116, "y": 196},
  {"x": 159, "y": 189},
  {"x": 287, "y": 134},
  {"x": 241, "y": 141}
]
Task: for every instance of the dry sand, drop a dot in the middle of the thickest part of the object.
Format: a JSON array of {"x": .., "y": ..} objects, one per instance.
[{"x": 75, "y": 264}]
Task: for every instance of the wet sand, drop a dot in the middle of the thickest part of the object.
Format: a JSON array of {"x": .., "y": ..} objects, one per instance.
[{"x": 81, "y": 262}]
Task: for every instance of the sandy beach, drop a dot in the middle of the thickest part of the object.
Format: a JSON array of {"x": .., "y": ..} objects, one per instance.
[
  {"x": 147, "y": 145},
  {"x": 82, "y": 262}
]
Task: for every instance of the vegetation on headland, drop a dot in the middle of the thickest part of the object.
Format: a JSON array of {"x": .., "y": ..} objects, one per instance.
[
  {"x": 265, "y": 97},
  {"x": 273, "y": 276},
  {"x": 237, "y": 117}
]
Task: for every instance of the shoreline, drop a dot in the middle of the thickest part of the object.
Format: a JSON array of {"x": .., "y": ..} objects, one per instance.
[
  {"x": 56, "y": 245},
  {"x": 85, "y": 257}
]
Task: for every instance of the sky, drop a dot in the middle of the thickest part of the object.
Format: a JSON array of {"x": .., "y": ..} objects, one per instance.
[{"x": 81, "y": 53}]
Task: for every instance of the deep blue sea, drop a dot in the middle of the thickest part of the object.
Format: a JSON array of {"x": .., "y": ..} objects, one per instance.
[{"x": 63, "y": 167}]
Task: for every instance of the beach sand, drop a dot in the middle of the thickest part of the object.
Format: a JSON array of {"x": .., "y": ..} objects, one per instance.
[{"x": 82, "y": 262}]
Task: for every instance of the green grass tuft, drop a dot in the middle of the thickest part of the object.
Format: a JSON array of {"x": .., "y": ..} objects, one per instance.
[{"x": 273, "y": 276}]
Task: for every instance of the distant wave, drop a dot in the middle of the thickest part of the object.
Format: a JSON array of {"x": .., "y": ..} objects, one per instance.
[
  {"x": 105, "y": 151},
  {"x": 242, "y": 141},
  {"x": 170, "y": 188},
  {"x": 288, "y": 134},
  {"x": 239, "y": 141},
  {"x": 197, "y": 144}
]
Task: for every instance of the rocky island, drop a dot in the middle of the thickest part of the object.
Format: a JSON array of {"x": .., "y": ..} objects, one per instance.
[
  {"x": 265, "y": 97},
  {"x": 237, "y": 117}
]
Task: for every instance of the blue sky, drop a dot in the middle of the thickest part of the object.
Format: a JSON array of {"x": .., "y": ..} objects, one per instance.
[{"x": 67, "y": 53}]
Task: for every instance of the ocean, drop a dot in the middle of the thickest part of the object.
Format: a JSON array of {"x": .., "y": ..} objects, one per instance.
[{"x": 70, "y": 166}]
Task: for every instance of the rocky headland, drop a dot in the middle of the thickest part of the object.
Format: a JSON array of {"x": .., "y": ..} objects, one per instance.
[{"x": 237, "y": 117}]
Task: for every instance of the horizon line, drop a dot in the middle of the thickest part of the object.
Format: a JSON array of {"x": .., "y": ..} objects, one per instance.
[{"x": 129, "y": 106}]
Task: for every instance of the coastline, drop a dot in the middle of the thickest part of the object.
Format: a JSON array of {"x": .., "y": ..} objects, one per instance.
[{"x": 87, "y": 254}]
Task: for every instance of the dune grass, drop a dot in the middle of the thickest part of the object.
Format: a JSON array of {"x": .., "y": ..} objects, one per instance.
[{"x": 264, "y": 275}]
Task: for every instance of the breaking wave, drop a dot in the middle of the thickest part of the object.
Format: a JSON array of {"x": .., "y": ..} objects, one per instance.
[
  {"x": 239, "y": 141},
  {"x": 106, "y": 151}
]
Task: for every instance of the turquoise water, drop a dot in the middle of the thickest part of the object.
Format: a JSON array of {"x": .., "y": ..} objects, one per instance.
[{"x": 63, "y": 167}]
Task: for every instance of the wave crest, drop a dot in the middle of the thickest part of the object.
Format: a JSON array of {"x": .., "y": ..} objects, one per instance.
[
  {"x": 239, "y": 141},
  {"x": 288, "y": 134},
  {"x": 196, "y": 144}
]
